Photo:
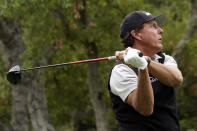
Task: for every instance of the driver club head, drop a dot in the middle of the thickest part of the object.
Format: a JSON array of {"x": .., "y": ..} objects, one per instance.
[{"x": 14, "y": 75}]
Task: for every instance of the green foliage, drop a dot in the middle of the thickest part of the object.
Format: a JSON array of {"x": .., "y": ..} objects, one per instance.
[
  {"x": 187, "y": 97},
  {"x": 5, "y": 95}
]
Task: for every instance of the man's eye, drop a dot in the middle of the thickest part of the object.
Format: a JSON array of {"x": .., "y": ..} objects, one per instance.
[{"x": 154, "y": 26}]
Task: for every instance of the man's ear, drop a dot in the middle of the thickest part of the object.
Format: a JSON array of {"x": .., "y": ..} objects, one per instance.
[{"x": 135, "y": 34}]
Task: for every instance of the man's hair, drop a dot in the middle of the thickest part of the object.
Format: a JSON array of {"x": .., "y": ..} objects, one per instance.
[{"x": 128, "y": 40}]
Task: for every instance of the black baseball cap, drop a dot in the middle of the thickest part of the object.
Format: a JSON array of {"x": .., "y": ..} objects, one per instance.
[{"x": 136, "y": 19}]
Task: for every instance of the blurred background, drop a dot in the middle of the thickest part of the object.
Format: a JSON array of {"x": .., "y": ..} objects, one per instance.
[{"x": 75, "y": 97}]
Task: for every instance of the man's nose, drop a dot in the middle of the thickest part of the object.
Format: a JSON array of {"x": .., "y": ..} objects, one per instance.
[{"x": 160, "y": 30}]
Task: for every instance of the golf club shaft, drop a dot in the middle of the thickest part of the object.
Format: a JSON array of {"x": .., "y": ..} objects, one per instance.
[{"x": 69, "y": 63}]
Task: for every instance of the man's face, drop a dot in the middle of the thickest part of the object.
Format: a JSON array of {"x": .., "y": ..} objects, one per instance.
[{"x": 151, "y": 37}]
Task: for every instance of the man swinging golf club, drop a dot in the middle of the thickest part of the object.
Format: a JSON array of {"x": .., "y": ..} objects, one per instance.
[{"x": 142, "y": 88}]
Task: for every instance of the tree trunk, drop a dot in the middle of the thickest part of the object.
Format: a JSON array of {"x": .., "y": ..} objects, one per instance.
[
  {"x": 19, "y": 111},
  {"x": 95, "y": 89},
  {"x": 37, "y": 107},
  {"x": 13, "y": 46}
]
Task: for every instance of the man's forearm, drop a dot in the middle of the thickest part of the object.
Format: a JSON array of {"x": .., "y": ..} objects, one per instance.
[
  {"x": 168, "y": 75},
  {"x": 142, "y": 98}
]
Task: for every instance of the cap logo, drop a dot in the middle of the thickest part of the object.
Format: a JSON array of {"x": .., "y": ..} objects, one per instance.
[{"x": 146, "y": 13}]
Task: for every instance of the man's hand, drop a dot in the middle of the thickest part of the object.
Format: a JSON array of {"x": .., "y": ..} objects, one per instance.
[{"x": 135, "y": 58}]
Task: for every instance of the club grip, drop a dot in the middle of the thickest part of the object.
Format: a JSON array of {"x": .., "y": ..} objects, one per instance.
[{"x": 112, "y": 58}]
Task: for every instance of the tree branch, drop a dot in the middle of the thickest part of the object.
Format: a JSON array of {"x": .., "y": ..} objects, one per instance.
[{"x": 190, "y": 30}]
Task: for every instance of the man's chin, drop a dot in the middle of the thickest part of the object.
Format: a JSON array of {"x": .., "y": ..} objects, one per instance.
[{"x": 160, "y": 47}]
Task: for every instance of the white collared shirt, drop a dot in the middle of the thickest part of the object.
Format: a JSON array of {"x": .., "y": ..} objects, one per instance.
[{"x": 124, "y": 80}]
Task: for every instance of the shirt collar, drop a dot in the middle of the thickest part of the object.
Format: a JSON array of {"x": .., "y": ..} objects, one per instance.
[{"x": 156, "y": 57}]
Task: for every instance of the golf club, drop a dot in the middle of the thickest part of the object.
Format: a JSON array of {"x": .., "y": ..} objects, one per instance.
[{"x": 14, "y": 74}]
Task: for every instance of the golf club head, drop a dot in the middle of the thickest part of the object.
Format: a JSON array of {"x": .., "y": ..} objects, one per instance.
[{"x": 14, "y": 75}]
